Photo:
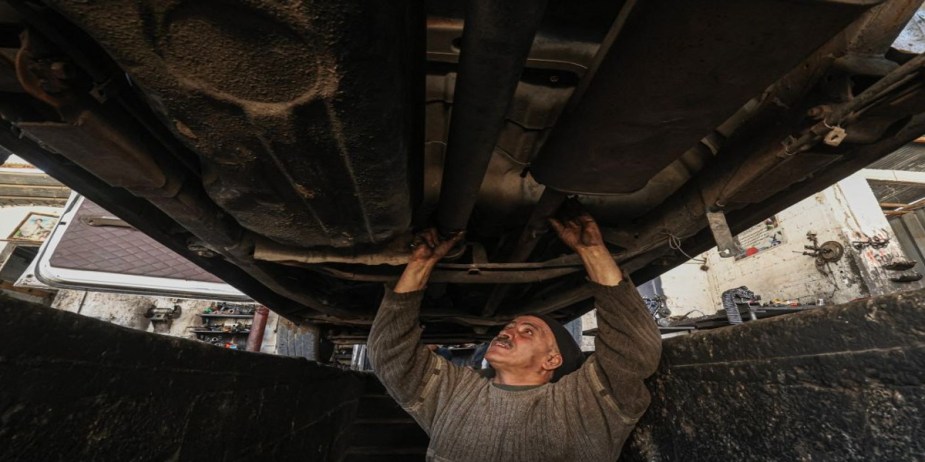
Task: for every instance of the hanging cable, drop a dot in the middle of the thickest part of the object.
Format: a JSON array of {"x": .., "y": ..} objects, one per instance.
[
  {"x": 674, "y": 243},
  {"x": 687, "y": 315}
]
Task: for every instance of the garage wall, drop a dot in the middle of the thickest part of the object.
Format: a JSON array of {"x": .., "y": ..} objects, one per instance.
[
  {"x": 129, "y": 311},
  {"x": 12, "y": 216},
  {"x": 845, "y": 213},
  {"x": 860, "y": 216},
  {"x": 910, "y": 231},
  {"x": 690, "y": 289},
  {"x": 780, "y": 272}
]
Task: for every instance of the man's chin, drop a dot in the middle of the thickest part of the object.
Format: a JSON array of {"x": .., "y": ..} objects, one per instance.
[{"x": 494, "y": 352}]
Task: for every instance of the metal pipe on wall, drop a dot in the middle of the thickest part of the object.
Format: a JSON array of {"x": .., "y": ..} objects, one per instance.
[
  {"x": 495, "y": 43},
  {"x": 255, "y": 337}
]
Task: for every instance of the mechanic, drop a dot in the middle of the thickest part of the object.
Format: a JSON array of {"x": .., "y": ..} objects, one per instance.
[{"x": 543, "y": 404}]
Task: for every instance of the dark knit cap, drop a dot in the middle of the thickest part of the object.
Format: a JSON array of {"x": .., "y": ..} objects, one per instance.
[{"x": 572, "y": 357}]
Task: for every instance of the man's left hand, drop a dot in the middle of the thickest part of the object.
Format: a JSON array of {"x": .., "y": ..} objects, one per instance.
[{"x": 580, "y": 232}]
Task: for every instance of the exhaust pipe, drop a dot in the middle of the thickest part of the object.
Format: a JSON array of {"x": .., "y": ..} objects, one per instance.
[{"x": 496, "y": 41}]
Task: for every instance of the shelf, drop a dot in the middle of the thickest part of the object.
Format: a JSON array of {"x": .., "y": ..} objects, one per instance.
[
  {"x": 213, "y": 315},
  {"x": 221, "y": 332}
]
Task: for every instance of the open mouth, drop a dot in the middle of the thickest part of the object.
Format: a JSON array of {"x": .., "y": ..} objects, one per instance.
[{"x": 502, "y": 343}]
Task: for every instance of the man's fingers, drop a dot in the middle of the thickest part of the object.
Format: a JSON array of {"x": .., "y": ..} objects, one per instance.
[
  {"x": 571, "y": 209},
  {"x": 453, "y": 239},
  {"x": 429, "y": 245},
  {"x": 429, "y": 237},
  {"x": 448, "y": 243},
  {"x": 425, "y": 238},
  {"x": 556, "y": 225},
  {"x": 588, "y": 238}
]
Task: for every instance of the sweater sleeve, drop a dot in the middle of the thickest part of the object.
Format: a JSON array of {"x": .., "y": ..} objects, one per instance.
[
  {"x": 412, "y": 374},
  {"x": 628, "y": 346}
]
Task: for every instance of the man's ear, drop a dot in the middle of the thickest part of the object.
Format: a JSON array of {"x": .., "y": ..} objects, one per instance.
[{"x": 552, "y": 362}]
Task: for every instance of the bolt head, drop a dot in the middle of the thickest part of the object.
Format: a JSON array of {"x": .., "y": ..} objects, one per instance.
[{"x": 201, "y": 250}]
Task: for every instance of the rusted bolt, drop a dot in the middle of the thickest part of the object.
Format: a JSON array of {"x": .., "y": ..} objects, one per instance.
[
  {"x": 818, "y": 112},
  {"x": 201, "y": 250},
  {"x": 60, "y": 69}
]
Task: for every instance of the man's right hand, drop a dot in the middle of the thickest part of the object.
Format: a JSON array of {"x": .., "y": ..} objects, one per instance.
[{"x": 427, "y": 249}]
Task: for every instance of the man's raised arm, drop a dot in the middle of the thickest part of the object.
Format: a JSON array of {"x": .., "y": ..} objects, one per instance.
[
  {"x": 628, "y": 345},
  {"x": 399, "y": 359}
]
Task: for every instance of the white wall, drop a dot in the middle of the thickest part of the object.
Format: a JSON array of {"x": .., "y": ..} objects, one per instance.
[
  {"x": 783, "y": 272},
  {"x": 12, "y": 216},
  {"x": 688, "y": 288},
  {"x": 846, "y": 212},
  {"x": 859, "y": 215}
]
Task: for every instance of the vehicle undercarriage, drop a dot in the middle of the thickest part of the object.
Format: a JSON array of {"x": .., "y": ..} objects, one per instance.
[{"x": 292, "y": 148}]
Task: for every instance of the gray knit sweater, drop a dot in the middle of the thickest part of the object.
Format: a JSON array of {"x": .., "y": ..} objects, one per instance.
[{"x": 585, "y": 416}]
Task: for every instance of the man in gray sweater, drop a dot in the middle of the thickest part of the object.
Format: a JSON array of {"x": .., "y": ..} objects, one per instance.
[{"x": 526, "y": 412}]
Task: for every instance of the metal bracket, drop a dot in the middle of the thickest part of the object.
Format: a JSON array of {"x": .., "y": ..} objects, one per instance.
[
  {"x": 104, "y": 221},
  {"x": 835, "y": 137},
  {"x": 163, "y": 314},
  {"x": 876, "y": 242},
  {"x": 726, "y": 244}
]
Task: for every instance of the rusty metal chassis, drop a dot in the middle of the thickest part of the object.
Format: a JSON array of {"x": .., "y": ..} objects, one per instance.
[{"x": 156, "y": 194}]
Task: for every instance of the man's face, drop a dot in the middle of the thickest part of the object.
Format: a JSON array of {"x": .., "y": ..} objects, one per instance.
[{"x": 525, "y": 343}]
